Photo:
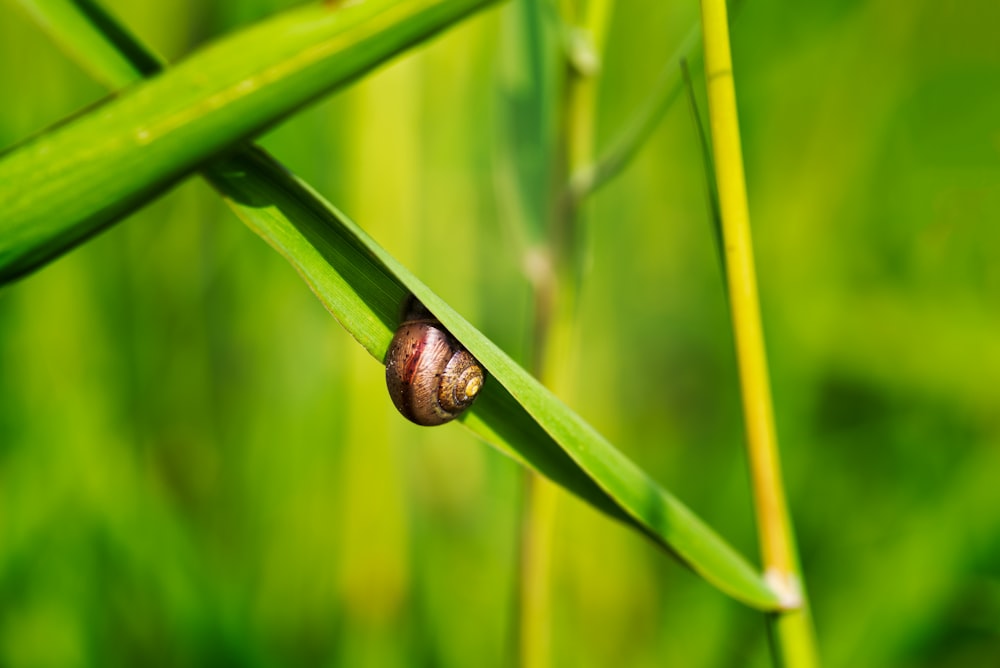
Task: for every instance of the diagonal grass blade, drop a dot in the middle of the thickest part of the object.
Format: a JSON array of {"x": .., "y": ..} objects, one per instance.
[
  {"x": 363, "y": 286},
  {"x": 67, "y": 184}
]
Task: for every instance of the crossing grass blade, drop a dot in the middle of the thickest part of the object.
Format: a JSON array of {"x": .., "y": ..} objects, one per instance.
[
  {"x": 363, "y": 287},
  {"x": 67, "y": 184}
]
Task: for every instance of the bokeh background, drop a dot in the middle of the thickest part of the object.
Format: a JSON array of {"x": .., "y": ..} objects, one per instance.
[{"x": 198, "y": 467}]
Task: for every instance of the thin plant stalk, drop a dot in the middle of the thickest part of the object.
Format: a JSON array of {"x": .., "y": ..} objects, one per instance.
[
  {"x": 535, "y": 613},
  {"x": 590, "y": 176},
  {"x": 792, "y": 634},
  {"x": 556, "y": 290}
]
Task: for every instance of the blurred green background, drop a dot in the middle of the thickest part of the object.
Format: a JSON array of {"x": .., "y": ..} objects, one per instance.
[{"x": 199, "y": 467}]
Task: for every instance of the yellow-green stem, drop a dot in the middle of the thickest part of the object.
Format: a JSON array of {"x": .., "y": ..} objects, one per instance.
[
  {"x": 536, "y": 567},
  {"x": 556, "y": 283},
  {"x": 554, "y": 295},
  {"x": 792, "y": 634}
]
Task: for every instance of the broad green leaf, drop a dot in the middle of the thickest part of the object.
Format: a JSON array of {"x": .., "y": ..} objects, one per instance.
[
  {"x": 67, "y": 184},
  {"x": 363, "y": 287}
]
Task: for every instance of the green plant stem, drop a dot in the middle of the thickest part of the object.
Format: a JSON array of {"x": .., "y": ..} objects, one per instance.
[
  {"x": 792, "y": 633},
  {"x": 535, "y": 613},
  {"x": 590, "y": 176},
  {"x": 556, "y": 291}
]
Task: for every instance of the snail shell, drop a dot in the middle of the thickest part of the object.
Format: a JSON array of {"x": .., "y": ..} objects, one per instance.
[{"x": 430, "y": 376}]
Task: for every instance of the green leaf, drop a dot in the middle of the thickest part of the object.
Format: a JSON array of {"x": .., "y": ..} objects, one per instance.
[
  {"x": 623, "y": 149},
  {"x": 363, "y": 287},
  {"x": 92, "y": 38},
  {"x": 67, "y": 184},
  {"x": 708, "y": 164},
  {"x": 528, "y": 74}
]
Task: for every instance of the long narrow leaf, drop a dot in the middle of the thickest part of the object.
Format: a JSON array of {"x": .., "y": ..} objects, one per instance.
[
  {"x": 363, "y": 286},
  {"x": 67, "y": 184},
  {"x": 95, "y": 40}
]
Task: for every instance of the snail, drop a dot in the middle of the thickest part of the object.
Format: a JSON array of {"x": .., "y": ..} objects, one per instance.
[{"x": 430, "y": 376}]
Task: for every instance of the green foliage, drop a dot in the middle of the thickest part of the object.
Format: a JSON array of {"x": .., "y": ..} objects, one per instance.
[
  {"x": 363, "y": 287},
  {"x": 197, "y": 467},
  {"x": 64, "y": 185}
]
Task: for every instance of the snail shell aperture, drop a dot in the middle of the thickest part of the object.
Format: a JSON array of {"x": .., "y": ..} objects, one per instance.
[{"x": 430, "y": 376}]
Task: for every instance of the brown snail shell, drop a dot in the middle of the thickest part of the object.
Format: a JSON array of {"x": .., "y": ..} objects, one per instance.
[{"x": 430, "y": 376}]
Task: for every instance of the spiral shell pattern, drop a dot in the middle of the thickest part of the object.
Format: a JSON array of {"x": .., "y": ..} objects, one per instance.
[{"x": 431, "y": 378}]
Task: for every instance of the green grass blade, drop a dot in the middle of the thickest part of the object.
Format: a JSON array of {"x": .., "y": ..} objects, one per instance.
[
  {"x": 708, "y": 164},
  {"x": 623, "y": 149},
  {"x": 363, "y": 287},
  {"x": 95, "y": 40},
  {"x": 527, "y": 76},
  {"x": 67, "y": 184},
  {"x": 347, "y": 271}
]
